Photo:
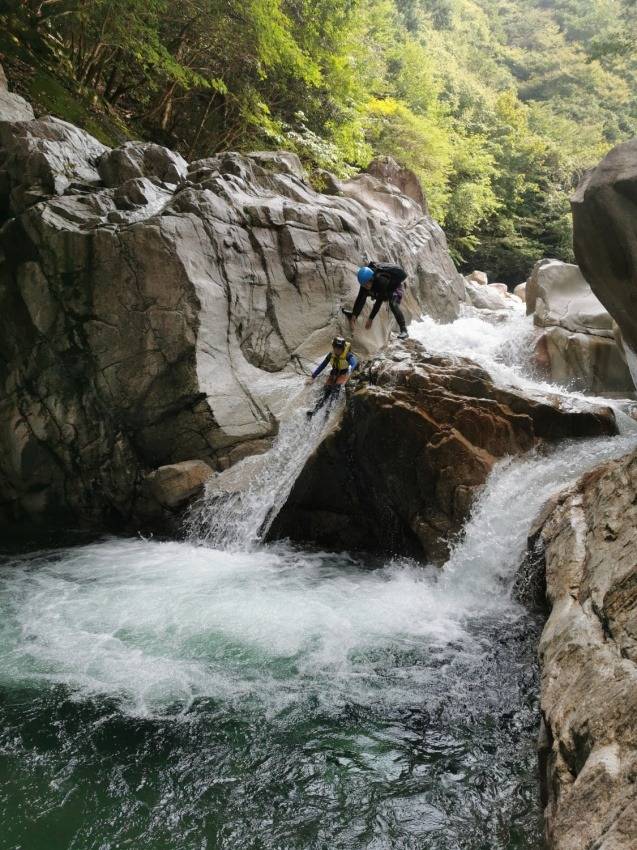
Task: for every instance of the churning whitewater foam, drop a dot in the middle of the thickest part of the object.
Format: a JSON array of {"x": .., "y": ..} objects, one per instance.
[
  {"x": 324, "y": 700},
  {"x": 504, "y": 349},
  {"x": 158, "y": 625}
]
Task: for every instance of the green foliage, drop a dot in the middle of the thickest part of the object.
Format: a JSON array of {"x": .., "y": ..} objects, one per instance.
[{"x": 498, "y": 105}]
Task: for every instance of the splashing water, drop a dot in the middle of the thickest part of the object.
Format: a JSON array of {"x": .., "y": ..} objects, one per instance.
[
  {"x": 504, "y": 349},
  {"x": 173, "y": 695},
  {"x": 240, "y": 520}
]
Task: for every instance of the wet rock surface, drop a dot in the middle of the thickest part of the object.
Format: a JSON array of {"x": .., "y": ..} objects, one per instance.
[
  {"x": 154, "y": 311},
  {"x": 417, "y": 440},
  {"x": 588, "y": 657}
]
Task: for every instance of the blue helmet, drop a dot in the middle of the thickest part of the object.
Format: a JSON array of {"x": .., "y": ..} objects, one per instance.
[{"x": 365, "y": 274}]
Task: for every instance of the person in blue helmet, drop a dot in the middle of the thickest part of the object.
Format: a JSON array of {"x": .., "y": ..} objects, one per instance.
[
  {"x": 343, "y": 362},
  {"x": 382, "y": 282}
]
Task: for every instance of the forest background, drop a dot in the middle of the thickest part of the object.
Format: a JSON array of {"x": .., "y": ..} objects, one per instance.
[{"x": 499, "y": 106}]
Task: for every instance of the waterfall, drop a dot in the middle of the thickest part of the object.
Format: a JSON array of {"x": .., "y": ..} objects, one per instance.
[
  {"x": 240, "y": 519},
  {"x": 168, "y": 694},
  {"x": 238, "y": 513}
]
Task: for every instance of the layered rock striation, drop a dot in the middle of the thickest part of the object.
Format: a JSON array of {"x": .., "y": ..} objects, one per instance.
[
  {"x": 417, "y": 440},
  {"x": 588, "y": 658},
  {"x": 576, "y": 346},
  {"x": 154, "y": 311}
]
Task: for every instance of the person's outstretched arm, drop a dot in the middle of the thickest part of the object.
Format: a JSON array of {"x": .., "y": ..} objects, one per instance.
[
  {"x": 351, "y": 359},
  {"x": 321, "y": 366},
  {"x": 359, "y": 303},
  {"x": 375, "y": 309}
]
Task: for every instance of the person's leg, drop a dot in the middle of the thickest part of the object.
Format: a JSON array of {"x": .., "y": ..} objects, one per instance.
[
  {"x": 332, "y": 395},
  {"x": 325, "y": 396},
  {"x": 398, "y": 315},
  {"x": 322, "y": 399}
]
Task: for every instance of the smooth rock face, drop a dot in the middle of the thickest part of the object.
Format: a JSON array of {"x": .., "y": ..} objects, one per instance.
[
  {"x": 12, "y": 106},
  {"x": 562, "y": 297},
  {"x": 154, "y": 312},
  {"x": 487, "y": 297},
  {"x": 605, "y": 235},
  {"x": 531, "y": 288},
  {"x": 386, "y": 168},
  {"x": 520, "y": 291},
  {"x": 174, "y": 485},
  {"x": 578, "y": 347},
  {"x": 588, "y": 657},
  {"x": 479, "y": 277},
  {"x": 585, "y": 362},
  {"x": 417, "y": 440}
]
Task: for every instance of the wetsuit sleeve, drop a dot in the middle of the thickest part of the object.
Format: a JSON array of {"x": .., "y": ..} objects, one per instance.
[
  {"x": 351, "y": 359},
  {"x": 359, "y": 303},
  {"x": 321, "y": 366},
  {"x": 375, "y": 309}
]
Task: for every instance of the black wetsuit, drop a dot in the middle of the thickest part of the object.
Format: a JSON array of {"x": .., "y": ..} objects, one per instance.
[{"x": 387, "y": 285}]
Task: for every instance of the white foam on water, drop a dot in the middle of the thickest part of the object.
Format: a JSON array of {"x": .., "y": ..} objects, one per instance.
[
  {"x": 152, "y": 623},
  {"x": 157, "y": 625},
  {"x": 504, "y": 349}
]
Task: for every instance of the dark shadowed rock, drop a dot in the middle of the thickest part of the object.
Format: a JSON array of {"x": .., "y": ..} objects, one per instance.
[
  {"x": 418, "y": 438},
  {"x": 605, "y": 235},
  {"x": 588, "y": 658}
]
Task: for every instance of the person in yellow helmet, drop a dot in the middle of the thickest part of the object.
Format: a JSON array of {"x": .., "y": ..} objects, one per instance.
[{"x": 343, "y": 362}]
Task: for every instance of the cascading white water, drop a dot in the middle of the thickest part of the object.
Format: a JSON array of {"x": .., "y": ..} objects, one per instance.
[
  {"x": 505, "y": 350},
  {"x": 192, "y": 696},
  {"x": 240, "y": 520}
]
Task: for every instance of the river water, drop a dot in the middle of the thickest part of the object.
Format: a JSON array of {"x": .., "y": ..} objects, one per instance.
[{"x": 241, "y": 696}]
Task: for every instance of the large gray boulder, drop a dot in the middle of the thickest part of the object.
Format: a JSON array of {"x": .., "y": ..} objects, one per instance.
[
  {"x": 558, "y": 295},
  {"x": 12, "y": 106},
  {"x": 488, "y": 296},
  {"x": 577, "y": 346},
  {"x": 605, "y": 235},
  {"x": 588, "y": 658},
  {"x": 154, "y": 312}
]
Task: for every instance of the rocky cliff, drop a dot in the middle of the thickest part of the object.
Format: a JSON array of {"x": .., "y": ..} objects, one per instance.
[
  {"x": 588, "y": 657},
  {"x": 605, "y": 237},
  {"x": 152, "y": 310}
]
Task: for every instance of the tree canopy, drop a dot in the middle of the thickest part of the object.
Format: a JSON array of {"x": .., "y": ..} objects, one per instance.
[{"x": 499, "y": 106}]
